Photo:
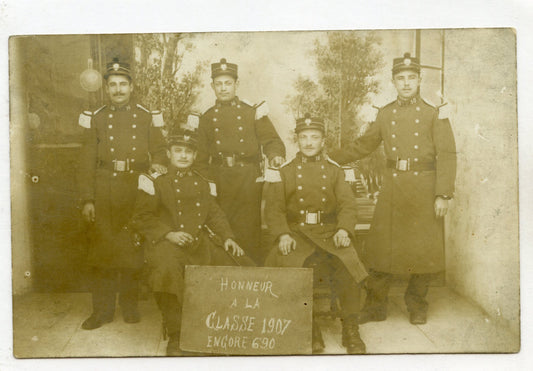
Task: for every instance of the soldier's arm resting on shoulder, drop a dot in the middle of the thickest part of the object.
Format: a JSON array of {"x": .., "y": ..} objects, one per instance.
[
  {"x": 158, "y": 150},
  {"x": 360, "y": 148},
  {"x": 268, "y": 137}
]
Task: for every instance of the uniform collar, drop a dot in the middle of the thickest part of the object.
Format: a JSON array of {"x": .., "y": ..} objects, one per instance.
[
  {"x": 178, "y": 172},
  {"x": 126, "y": 107},
  {"x": 235, "y": 101},
  {"x": 304, "y": 159},
  {"x": 408, "y": 102}
]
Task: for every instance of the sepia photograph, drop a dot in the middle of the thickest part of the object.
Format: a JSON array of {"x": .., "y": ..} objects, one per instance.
[{"x": 341, "y": 192}]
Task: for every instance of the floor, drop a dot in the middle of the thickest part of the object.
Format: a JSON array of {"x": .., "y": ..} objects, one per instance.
[{"x": 48, "y": 325}]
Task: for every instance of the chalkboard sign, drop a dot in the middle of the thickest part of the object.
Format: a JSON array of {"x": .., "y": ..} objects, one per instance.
[{"x": 247, "y": 310}]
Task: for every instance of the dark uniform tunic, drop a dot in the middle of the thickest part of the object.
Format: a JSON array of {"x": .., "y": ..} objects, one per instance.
[
  {"x": 117, "y": 147},
  {"x": 180, "y": 201},
  {"x": 406, "y": 236},
  {"x": 230, "y": 139},
  {"x": 312, "y": 185}
]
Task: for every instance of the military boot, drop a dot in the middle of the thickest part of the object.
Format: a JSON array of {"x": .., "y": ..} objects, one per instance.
[
  {"x": 173, "y": 345},
  {"x": 96, "y": 320},
  {"x": 351, "y": 338}
]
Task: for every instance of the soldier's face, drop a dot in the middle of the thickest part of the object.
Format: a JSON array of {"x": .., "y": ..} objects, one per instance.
[
  {"x": 406, "y": 83},
  {"x": 225, "y": 87},
  {"x": 310, "y": 142},
  {"x": 181, "y": 156},
  {"x": 119, "y": 89}
]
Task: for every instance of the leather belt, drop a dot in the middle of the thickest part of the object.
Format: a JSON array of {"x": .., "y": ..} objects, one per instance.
[
  {"x": 313, "y": 218},
  {"x": 121, "y": 166},
  {"x": 410, "y": 165},
  {"x": 233, "y": 160}
]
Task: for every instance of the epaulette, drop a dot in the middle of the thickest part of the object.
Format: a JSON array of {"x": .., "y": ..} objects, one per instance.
[
  {"x": 193, "y": 121},
  {"x": 157, "y": 116},
  {"x": 427, "y": 103},
  {"x": 146, "y": 183},
  {"x": 246, "y": 101},
  {"x": 85, "y": 117},
  {"x": 349, "y": 174},
  {"x": 389, "y": 104},
  {"x": 272, "y": 175},
  {"x": 99, "y": 109},
  {"x": 261, "y": 110},
  {"x": 212, "y": 184}
]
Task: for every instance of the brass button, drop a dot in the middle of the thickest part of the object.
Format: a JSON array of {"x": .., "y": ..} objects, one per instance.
[
  {"x": 134, "y": 126},
  {"x": 134, "y": 137},
  {"x": 112, "y": 149},
  {"x": 299, "y": 175},
  {"x": 302, "y": 212},
  {"x": 394, "y": 122},
  {"x": 110, "y": 126},
  {"x": 110, "y": 115},
  {"x": 418, "y": 108},
  {"x": 133, "y": 149},
  {"x": 416, "y": 134},
  {"x": 416, "y": 173},
  {"x": 394, "y": 148},
  {"x": 394, "y": 174},
  {"x": 393, "y": 136},
  {"x": 299, "y": 188},
  {"x": 111, "y": 138},
  {"x": 217, "y": 142},
  {"x": 417, "y": 121},
  {"x": 416, "y": 146}
]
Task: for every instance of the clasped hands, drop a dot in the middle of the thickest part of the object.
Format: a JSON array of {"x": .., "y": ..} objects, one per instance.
[
  {"x": 184, "y": 239},
  {"x": 287, "y": 243}
]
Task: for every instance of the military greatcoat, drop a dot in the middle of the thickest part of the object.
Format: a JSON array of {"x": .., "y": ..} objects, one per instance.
[
  {"x": 118, "y": 145},
  {"x": 312, "y": 185},
  {"x": 232, "y": 136},
  {"x": 406, "y": 236},
  {"x": 180, "y": 201}
]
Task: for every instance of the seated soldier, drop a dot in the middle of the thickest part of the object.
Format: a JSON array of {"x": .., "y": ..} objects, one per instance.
[
  {"x": 311, "y": 211},
  {"x": 182, "y": 224}
]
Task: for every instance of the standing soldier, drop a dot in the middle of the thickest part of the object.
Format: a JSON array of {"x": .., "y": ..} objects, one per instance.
[
  {"x": 232, "y": 136},
  {"x": 179, "y": 218},
  {"x": 311, "y": 211},
  {"x": 121, "y": 140},
  {"x": 407, "y": 235}
]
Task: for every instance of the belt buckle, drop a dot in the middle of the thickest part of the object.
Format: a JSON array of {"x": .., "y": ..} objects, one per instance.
[
  {"x": 229, "y": 161},
  {"x": 403, "y": 165},
  {"x": 312, "y": 218},
  {"x": 119, "y": 165}
]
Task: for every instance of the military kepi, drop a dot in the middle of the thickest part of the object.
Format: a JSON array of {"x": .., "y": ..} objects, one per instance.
[
  {"x": 223, "y": 68},
  {"x": 183, "y": 137},
  {"x": 308, "y": 122},
  {"x": 116, "y": 67},
  {"x": 405, "y": 63}
]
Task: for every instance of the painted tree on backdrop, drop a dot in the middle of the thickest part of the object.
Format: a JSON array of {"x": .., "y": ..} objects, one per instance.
[
  {"x": 346, "y": 63},
  {"x": 163, "y": 82}
]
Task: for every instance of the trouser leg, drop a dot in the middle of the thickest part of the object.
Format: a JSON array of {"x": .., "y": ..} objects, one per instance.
[
  {"x": 377, "y": 289},
  {"x": 129, "y": 290},
  {"x": 415, "y": 295},
  {"x": 103, "y": 292},
  {"x": 170, "y": 311}
]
